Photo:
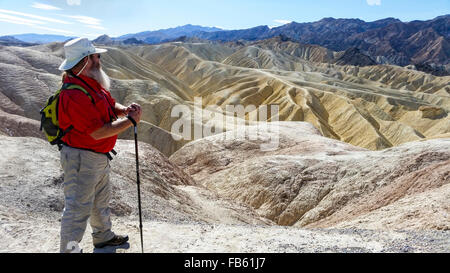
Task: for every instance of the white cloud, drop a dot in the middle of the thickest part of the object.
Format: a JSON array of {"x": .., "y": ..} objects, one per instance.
[
  {"x": 85, "y": 19},
  {"x": 31, "y": 20},
  {"x": 374, "y": 2},
  {"x": 31, "y": 23},
  {"x": 11, "y": 21},
  {"x": 37, "y": 5},
  {"x": 34, "y": 16},
  {"x": 18, "y": 20},
  {"x": 73, "y": 2},
  {"x": 283, "y": 22}
]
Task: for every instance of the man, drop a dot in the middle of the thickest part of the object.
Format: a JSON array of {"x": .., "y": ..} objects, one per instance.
[{"x": 85, "y": 152}]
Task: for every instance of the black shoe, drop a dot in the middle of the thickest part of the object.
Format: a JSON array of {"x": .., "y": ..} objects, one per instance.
[{"x": 117, "y": 240}]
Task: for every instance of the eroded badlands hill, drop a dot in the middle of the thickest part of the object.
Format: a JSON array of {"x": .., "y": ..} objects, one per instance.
[
  {"x": 373, "y": 107},
  {"x": 313, "y": 181}
]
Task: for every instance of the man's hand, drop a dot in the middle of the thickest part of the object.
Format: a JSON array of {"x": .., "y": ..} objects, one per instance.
[
  {"x": 118, "y": 126},
  {"x": 135, "y": 112},
  {"x": 133, "y": 107}
]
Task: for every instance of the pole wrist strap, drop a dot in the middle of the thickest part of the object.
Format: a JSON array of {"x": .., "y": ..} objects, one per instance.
[{"x": 132, "y": 120}]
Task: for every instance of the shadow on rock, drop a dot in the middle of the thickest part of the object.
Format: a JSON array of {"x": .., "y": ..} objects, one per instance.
[{"x": 111, "y": 249}]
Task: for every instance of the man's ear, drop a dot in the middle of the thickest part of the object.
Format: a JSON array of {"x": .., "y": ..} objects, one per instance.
[{"x": 83, "y": 61}]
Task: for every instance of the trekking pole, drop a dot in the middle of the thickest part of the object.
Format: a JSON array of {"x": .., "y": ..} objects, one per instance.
[{"x": 138, "y": 180}]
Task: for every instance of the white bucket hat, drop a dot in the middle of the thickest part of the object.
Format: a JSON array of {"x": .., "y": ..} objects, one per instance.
[{"x": 76, "y": 50}]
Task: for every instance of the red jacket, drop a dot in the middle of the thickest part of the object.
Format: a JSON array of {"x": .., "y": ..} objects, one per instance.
[{"x": 76, "y": 109}]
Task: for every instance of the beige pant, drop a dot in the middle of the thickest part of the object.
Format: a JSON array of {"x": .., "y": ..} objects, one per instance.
[{"x": 87, "y": 194}]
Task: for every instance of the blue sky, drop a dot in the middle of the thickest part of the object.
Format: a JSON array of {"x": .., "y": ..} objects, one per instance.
[{"x": 92, "y": 18}]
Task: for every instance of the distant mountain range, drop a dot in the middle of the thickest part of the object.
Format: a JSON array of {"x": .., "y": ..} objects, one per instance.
[
  {"x": 162, "y": 35},
  {"x": 389, "y": 40},
  {"x": 41, "y": 38},
  {"x": 386, "y": 41},
  {"x": 12, "y": 41}
]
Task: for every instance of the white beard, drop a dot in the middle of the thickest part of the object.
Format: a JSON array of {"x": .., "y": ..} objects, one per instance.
[{"x": 100, "y": 76}]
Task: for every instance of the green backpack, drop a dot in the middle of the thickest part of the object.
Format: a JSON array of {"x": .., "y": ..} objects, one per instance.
[{"x": 49, "y": 115}]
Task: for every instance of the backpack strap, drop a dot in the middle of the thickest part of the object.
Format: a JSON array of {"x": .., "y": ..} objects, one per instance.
[{"x": 69, "y": 86}]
